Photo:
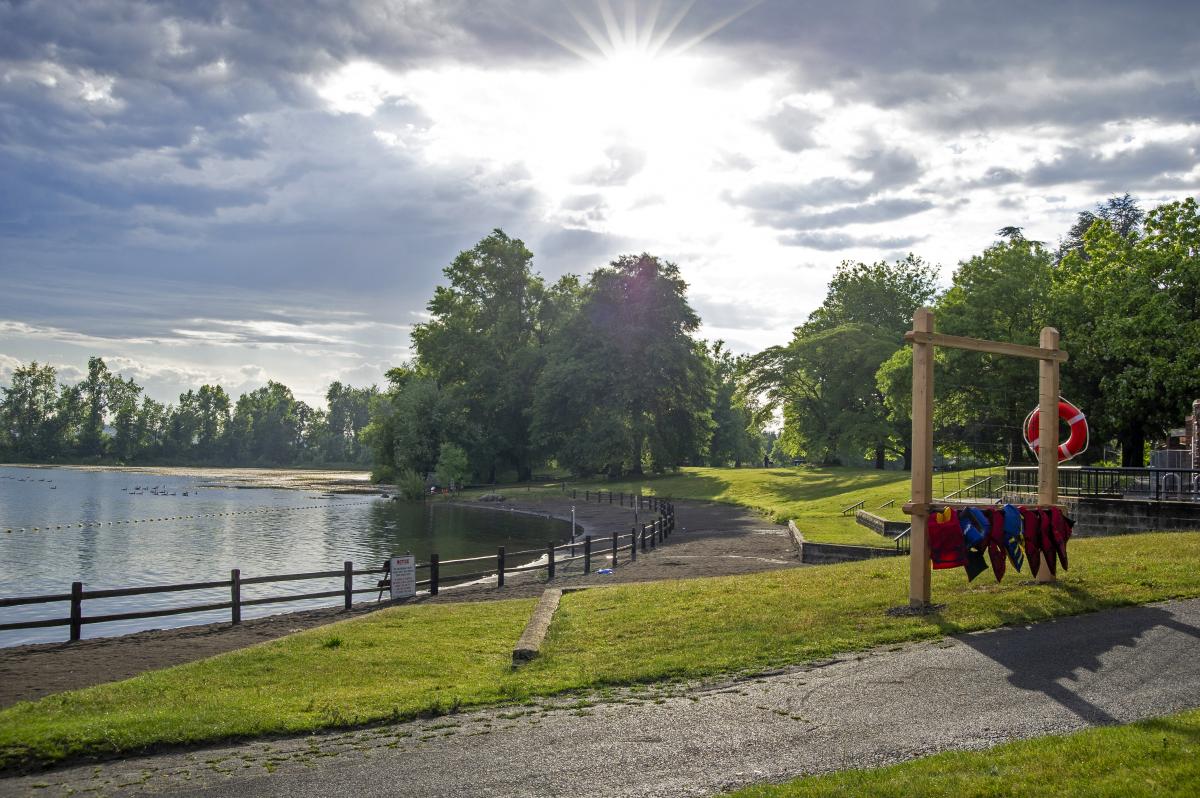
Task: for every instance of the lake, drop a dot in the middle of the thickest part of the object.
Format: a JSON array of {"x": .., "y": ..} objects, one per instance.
[{"x": 112, "y": 529}]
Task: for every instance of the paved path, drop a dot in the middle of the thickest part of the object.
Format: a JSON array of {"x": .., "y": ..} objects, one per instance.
[{"x": 882, "y": 707}]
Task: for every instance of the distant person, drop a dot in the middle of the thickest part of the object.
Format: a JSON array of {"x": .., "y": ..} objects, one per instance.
[{"x": 766, "y": 461}]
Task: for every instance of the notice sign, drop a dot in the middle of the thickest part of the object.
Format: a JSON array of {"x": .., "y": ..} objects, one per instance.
[{"x": 404, "y": 576}]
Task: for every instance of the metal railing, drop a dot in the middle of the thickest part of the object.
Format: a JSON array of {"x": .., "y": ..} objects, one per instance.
[
  {"x": 853, "y": 507},
  {"x": 1158, "y": 484}
]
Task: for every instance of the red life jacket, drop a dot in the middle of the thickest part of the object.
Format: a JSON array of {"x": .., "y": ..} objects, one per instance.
[
  {"x": 1046, "y": 540},
  {"x": 1060, "y": 530},
  {"x": 946, "y": 546},
  {"x": 995, "y": 543},
  {"x": 1031, "y": 521}
]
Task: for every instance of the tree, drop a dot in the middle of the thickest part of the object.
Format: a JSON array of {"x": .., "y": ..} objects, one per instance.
[
  {"x": 1121, "y": 212},
  {"x": 94, "y": 390},
  {"x": 825, "y": 379},
  {"x": 28, "y": 404},
  {"x": 625, "y": 381},
  {"x": 999, "y": 295},
  {"x": 737, "y": 436},
  {"x": 482, "y": 344},
  {"x": 1130, "y": 310},
  {"x": 452, "y": 466}
]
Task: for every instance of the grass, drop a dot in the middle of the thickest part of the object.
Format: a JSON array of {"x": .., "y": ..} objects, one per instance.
[
  {"x": 1159, "y": 757},
  {"x": 811, "y": 496},
  {"x": 433, "y": 659}
]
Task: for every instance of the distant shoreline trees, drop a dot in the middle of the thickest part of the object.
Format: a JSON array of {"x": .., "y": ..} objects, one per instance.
[{"x": 105, "y": 418}]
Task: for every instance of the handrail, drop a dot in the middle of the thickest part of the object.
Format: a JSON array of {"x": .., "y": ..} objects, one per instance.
[
  {"x": 972, "y": 486},
  {"x": 887, "y": 503},
  {"x": 854, "y": 506}
]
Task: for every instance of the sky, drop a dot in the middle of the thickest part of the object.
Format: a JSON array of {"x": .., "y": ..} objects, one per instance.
[{"x": 239, "y": 191}]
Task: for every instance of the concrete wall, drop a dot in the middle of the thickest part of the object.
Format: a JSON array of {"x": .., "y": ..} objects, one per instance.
[
  {"x": 1099, "y": 517},
  {"x": 826, "y": 553},
  {"x": 878, "y": 525}
]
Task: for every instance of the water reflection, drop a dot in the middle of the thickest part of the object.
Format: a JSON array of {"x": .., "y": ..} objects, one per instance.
[{"x": 121, "y": 529}]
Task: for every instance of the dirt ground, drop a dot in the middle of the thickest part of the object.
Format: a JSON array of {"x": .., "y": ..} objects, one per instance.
[{"x": 710, "y": 540}]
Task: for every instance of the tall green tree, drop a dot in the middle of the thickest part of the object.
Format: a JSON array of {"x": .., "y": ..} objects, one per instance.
[
  {"x": 1130, "y": 311},
  {"x": 483, "y": 345},
  {"x": 737, "y": 433},
  {"x": 625, "y": 381},
  {"x": 26, "y": 409}
]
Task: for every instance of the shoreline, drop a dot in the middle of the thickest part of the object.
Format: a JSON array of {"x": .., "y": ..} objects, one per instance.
[
  {"x": 713, "y": 540},
  {"x": 327, "y": 479}
]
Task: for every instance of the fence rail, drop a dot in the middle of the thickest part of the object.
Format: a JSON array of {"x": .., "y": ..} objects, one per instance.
[
  {"x": 649, "y": 536},
  {"x": 1159, "y": 484}
]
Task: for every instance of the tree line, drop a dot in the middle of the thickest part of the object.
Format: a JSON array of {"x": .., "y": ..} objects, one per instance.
[
  {"x": 1122, "y": 288},
  {"x": 108, "y": 418}
]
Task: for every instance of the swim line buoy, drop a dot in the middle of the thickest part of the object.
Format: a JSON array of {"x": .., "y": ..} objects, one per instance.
[{"x": 1075, "y": 445}]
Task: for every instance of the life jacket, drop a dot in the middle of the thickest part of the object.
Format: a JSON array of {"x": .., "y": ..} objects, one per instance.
[
  {"x": 976, "y": 564},
  {"x": 974, "y": 528},
  {"x": 1013, "y": 537},
  {"x": 1046, "y": 540},
  {"x": 995, "y": 544},
  {"x": 946, "y": 546},
  {"x": 1060, "y": 530},
  {"x": 1031, "y": 521}
]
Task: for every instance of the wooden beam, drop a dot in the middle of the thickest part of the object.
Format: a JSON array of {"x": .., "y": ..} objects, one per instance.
[
  {"x": 1047, "y": 434},
  {"x": 919, "y": 565},
  {"x": 978, "y": 345}
]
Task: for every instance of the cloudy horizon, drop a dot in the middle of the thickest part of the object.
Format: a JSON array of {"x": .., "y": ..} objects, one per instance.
[{"x": 238, "y": 191}]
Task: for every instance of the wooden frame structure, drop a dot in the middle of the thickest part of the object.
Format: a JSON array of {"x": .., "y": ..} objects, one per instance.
[{"x": 923, "y": 340}]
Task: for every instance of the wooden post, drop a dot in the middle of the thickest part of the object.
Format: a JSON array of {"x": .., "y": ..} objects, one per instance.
[
  {"x": 235, "y": 595},
  {"x": 587, "y": 554},
  {"x": 500, "y": 567},
  {"x": 614, "y": 550},
  {"x": 433, "y": 574},
  {"x": 1047, "y": 434},
  {"x": 633, "y": 543},
  {"x": 76, "y": 611},
  {"x": 348, "y": 582},
  {"x": 919, "y": 565},
  {"x": 550, "y": 560},
  {"x": 643, "y": 537}
]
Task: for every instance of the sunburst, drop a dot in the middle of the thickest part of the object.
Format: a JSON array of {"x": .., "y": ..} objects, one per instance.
[{"x": 638, "y": 34}]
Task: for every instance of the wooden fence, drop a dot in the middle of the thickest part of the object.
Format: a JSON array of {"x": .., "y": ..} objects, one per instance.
[{"x": 650, "y": 536}]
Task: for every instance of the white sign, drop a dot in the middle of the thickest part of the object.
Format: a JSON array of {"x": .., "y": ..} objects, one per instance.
[{"x": 404, "y": 576}]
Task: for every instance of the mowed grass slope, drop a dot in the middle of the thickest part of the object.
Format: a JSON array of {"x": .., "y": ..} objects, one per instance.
[
  {"x": 412, "y": 660},
  {"x": 1159, "y": 757},
  {"x": 811, "y": 496}
]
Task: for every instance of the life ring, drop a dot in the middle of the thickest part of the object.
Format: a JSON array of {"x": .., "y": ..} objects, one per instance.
[{"x": 1075, "y": 445}]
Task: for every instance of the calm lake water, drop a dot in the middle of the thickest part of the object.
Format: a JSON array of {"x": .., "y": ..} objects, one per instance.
[{"x": 112, "y": 529}]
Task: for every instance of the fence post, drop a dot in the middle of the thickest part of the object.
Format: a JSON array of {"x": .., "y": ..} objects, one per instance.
[
  {"x": 550, "y": 561},
  {"x": 643, "y": 537},
  {"x": 653, "y": 534},
  {"x": 348, "y": 582},
  {"x": 614, "y": 550},
  {"x": 587, "y": 554},
  {"x": 76, "y": 610},
  {"x": 572, "y": 493},
  {"x": 235, "y": 594},
  {"x": 610, "y": 497},
  {"x": 633, "y": 543},
  {"x": 500, "y": 567},
  {"x": 433, "y": 574}
]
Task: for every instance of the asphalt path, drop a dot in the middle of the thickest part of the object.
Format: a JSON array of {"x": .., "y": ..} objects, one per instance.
[{"x": 884, "y": 706}]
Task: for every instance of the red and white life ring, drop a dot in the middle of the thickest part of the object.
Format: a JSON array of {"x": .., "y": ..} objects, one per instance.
[{"x": 1075, "y": 445}]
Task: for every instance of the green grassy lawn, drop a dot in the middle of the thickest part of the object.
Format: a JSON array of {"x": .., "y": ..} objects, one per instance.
[
  {"x": 813, "y": 497},
  {"x": 1159, "y": 757},
  {"x": 427, "y": 659}
]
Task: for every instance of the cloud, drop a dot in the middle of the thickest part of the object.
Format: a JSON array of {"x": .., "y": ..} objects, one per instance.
[
  {"x": 832, "y": 242},
  {"x": 621, "y": 163},
  {"x": 873, "y": 212},
  {"x": 792, "y": 127}
]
